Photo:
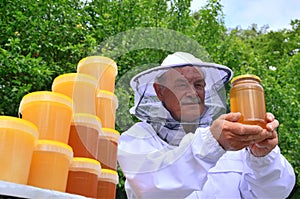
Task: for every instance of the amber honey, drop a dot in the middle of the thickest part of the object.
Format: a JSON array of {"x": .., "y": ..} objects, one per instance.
[
  {"x": 102, "y": 68},
  {"x": 107, "y": 183},
  {"x": 18, "y": 138},
  {"x": 83, "y": 177},
  {"x": 51, "y": 112},
  {"x": 107, "y": 148},
  {"x": 81, "y": 88},
  {"x": 50, "y": 165},
  {"x": 83, "y": 136},
  {"x": 247, "y": 97},
  {"x": 106, "y": 105}
]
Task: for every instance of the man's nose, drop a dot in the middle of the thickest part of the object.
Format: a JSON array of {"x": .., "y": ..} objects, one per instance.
[{"x": 191, "y": 91}]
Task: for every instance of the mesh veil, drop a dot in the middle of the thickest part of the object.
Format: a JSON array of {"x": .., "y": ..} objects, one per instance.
[{"x": 148, "y": 107}]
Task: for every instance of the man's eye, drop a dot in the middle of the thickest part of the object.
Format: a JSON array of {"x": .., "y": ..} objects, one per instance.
[
  {"x": 181, "y": 86},
  {"x": 200, "y": 86}
]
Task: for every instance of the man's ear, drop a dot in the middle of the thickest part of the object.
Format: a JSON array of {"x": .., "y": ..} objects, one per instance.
[{"x": 159, "y": 90}]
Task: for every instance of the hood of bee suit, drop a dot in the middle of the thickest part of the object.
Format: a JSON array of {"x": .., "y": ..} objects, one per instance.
[{"x": 148, "y": 107}]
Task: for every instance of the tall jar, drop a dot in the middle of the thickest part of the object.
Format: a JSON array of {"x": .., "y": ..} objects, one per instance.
[{"x": 247, "y": 97}]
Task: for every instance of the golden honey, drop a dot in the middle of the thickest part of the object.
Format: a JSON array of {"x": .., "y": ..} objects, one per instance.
[{"x": 247, "y": 97}]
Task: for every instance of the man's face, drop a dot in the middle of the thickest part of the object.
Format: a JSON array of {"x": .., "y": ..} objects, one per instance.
[{"x": 182, "y": 91}]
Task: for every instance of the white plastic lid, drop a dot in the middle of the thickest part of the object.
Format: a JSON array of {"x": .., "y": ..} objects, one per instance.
[
  {"x": 54, "y": 146},
  {"x": 45, "y": 96},
  {"x": 111, "y": 134},
  {"x": 97, "y": 59},
  {"x": 18, "y": 124},
  {"x": 109, "y": 176},
  {"x": 74, "y": 77},
  {"x": 108, "y": 95},
  {"x": 86, "y": 165},
  {"x": 87, "y": 120}
]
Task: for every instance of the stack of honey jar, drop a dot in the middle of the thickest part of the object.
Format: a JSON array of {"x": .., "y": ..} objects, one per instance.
[{"x": 68, "y": 134}]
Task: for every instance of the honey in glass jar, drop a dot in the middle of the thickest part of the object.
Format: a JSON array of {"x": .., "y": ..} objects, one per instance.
[{"x": 247, "y": 97}]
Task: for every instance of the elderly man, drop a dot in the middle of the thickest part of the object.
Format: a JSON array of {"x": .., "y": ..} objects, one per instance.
[{"x": 188, "y": 147}]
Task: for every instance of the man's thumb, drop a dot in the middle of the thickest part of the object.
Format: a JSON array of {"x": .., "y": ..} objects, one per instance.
[{"x": 233, "y": 117}]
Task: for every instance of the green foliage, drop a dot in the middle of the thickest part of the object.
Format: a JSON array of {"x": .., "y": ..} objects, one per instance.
[
  {"x": 42, "y": 39},
  {"x": 19, "y": 75}
]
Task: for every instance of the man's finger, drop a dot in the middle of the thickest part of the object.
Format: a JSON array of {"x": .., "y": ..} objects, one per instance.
[
  {"x": 232, "y": 117},
  {"x": 243, "y": 129}
]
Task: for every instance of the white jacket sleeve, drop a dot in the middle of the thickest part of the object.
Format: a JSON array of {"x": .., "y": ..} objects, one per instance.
[
  {"x": 271, "y": 176},
  {"x": 155, "y": 169}
]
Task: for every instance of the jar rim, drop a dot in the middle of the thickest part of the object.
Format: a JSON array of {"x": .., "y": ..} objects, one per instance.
[{"x": 246, "y": 76}]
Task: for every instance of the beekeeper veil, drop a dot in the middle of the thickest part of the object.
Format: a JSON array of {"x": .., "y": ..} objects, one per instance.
[{"x": 147, "y": 106}]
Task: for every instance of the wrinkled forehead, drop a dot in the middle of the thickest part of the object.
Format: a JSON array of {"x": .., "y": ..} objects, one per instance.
[{"x": 187, "y": 73}]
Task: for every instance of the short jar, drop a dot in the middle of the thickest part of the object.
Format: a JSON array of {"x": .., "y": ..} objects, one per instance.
[{"x": 247, "y": 97}]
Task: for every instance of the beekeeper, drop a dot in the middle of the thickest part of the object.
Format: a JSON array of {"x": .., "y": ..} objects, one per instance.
[{"x": 187, "y": 146}]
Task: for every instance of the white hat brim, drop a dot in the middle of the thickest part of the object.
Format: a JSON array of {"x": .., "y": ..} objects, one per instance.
[{"x": 148, "y": 76}]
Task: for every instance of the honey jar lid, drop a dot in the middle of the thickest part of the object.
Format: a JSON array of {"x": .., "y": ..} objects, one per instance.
[
  {"x": 109, "y": 175},
  {"x": 88, "y": 120},
  {"x": 45, "y": 96},
  {"x": 54, "y": 146},
  {"x": 246, "y": 76},
  {"x": 97, "y": 59},
  {"x": 108, "y": 95},
  {"x": 86, "y": 165},
  {"x": 110, "y": 133},
  {"x": 74, "y": 77},
  {"x": 18, "y": 124}
]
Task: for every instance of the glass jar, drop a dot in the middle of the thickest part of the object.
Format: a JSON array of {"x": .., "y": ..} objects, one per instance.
[{"x": 247, "y": 97}]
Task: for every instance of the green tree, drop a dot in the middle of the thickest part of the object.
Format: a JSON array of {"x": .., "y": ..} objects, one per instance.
[{"x": 40, "y": 40}]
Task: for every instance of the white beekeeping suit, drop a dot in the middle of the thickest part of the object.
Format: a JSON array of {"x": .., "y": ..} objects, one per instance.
[{"x": 160, "y": 160}]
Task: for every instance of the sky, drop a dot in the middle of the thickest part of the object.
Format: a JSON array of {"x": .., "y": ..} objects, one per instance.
[{"x": 275, "y": 13}]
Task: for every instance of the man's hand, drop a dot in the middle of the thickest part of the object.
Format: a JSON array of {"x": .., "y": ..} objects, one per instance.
[
  {"x": 233, "y": 136},
  {"x": 264, "y": 147}
]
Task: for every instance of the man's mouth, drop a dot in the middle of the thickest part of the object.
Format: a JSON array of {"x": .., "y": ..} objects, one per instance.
[{"x": 191, "y": 101}]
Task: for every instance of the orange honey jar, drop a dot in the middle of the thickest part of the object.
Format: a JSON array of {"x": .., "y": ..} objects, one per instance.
[
  {"x": 83, "y": 177},
  {"x": 247, "y": 97},
  {"x": 18, "y": 138},
  {"x": 51, "y": 112},
  {"x": 107, "y": 183},
  {"x": 83, "y": 137},
  {"x": 50, "y": 165}
]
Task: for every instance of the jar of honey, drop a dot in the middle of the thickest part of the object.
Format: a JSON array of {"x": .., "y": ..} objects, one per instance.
[
  {"x": 107, "y": 184},
  {"x": 107, "y": 148},
  {"x": 83, "y": 177},
  {"x": 247, "y": 97},
  {"x": 50, "y": 165}
]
